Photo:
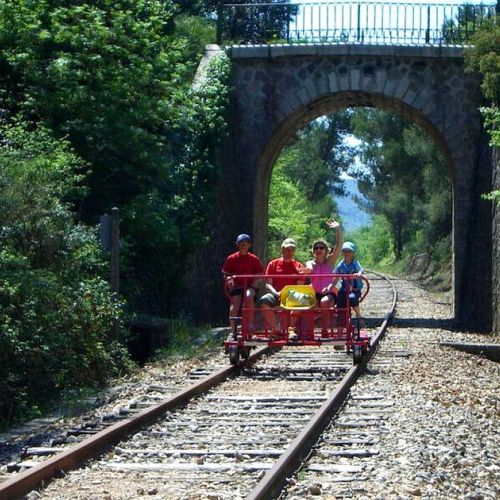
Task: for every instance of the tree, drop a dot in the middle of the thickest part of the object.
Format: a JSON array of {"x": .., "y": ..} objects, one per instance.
[
  {"x": 114, "y": 77},
  {"x": 404, "y": 178},
  {"x": 102, "y": 75},
  {"x": 261, "y": 22},
  {"x": 56, "y": 311},
  {"x": 483, "y": 57},
  {"x": 305, "y": 176},
  {"x": 320, "y": 156}
]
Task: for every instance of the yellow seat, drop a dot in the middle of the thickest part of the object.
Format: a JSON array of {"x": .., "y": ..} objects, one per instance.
[{"x": 302, "y": 297}]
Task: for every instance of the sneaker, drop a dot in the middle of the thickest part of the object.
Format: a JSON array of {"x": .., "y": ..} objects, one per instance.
[
  {"x": 292, "y": 334},
  {"x": 360, "y": 323},
  {"x": 274, "y": 335}
]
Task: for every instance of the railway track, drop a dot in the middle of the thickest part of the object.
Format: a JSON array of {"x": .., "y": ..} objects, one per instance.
[{"x": 238, "y": 432}]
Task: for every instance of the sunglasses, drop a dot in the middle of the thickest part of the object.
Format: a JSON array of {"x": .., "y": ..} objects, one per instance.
[{"x": 318, "y": 247}]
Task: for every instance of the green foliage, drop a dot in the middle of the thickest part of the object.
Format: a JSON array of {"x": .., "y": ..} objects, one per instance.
[
  {"x": 374, "y": 243},
  {"x": 185, "y": 341},
  {"x": 165, "y": 223},
  {"x": 103, "y": 74},
  {"x": 253, "y": 24},
  {"x": 405, "y": 179},
  {"x": 320, "y": 156},
  {"x": 197, "y": 32},
  {"x": 114, "y": 78},
  {"x": 55, "y": 311},
  {"x": 484, "y": 58},
  {"x": 304, "y": 176}
]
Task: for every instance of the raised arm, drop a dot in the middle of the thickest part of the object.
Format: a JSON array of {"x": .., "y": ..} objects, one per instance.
[{"x": 339, "y": 239}]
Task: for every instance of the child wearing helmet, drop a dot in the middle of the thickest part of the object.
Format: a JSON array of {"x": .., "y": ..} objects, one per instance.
[{"x": 349, "y": 288}]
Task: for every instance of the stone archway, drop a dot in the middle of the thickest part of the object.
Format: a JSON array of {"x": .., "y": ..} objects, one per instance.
[
  {"x": 298, "y": 119},
  {"x": 277, "y": 90}
]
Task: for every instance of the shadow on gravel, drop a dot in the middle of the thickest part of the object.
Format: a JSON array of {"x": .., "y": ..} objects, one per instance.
[
  {"x": 443, "y": 324},
  {"x": 489, "y": 351}
]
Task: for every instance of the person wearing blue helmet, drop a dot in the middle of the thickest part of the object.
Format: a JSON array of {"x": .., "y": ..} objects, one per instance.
[{"x": 349, "y": 288}]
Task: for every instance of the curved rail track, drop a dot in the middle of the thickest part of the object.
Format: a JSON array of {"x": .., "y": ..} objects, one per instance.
[{"x": 241, "y": 431}]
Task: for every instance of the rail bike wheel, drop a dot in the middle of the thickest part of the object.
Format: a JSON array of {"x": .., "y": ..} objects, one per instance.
[
  {"x": 357, "y": 354},
  {"x": 234, "y": 354},
  {"x": 245, "y": 352}
]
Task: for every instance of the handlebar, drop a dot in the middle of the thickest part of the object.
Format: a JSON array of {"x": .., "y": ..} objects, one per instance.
[{"x": 247, "y": 278}]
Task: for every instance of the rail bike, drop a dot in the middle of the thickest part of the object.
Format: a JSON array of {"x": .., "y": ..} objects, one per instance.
[{"x": 313, "y": 325}]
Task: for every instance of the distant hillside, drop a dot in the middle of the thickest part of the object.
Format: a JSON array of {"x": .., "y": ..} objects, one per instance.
[{"x": 352, "y": 216}]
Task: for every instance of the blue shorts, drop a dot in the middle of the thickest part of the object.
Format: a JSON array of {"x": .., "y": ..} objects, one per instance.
[
  {"x": 341, "y": 299},
  {"x": 240, "y": 291},
  {"x": 331, "y": 296},
  {"x": 270, "y": 299}
]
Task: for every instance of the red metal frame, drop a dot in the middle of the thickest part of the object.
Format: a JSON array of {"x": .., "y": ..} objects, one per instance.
[{"x": 310, "y": 329}]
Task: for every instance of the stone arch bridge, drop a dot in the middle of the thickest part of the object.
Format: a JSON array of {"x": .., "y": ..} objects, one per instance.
[{"x": 278, "y": 89}]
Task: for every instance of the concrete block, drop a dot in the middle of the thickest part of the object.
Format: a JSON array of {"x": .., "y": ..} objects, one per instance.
[
  {"x": 360, "y": 49},
  {"x": 401, "y": 89},
  {"x": 285, "y": 107},
  {"x": 368, "y": 83},
  {"x": 344, "y": 81},
  {"x": 355, "y": 79},
  {"x": 294, "y": 101},
  {"x": 332, "y": 49},
  {"x": 313, "y": 92},
  {"x": 299, "y": 50},
  {"x": 322, "y": 86},
  {"x": 424, "y": 96},
  {"x": 303, "y": 96},
  {"x": 278, "y": 50},
  {"x": 381, "y": 78},
  {"x": 409, "y": 97},
  {"x": 390, "y": 87},
  {"x": 333, "y": 82},
  {"x": 248, "y": 51}
]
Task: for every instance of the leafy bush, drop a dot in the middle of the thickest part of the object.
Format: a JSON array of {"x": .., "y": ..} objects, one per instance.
[
  {"x": 483, "y": 57},
  {"x": 55, "y": 310},
  {"x": 164, "y": 224},
  {"x": 374, "y": 243},
  {"x": 305, "y": 176}
]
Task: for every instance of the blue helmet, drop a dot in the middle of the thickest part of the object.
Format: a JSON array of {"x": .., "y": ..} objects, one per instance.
[
  {"x": 349, "y": 246},
  {"x": 243, "y": 237}
]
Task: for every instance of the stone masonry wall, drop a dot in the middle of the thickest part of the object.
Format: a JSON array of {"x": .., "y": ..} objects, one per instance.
[{"x": 496, "y": 247}]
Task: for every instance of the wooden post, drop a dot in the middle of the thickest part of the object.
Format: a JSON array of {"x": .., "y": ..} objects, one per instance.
[
  {"x": 115, "y": 251},
  {"x": 219, "y": 22},
  {"x": 115, "y": 263}
]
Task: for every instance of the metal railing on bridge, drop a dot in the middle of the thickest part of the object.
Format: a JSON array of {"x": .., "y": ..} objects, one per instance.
[{"x": 392, "y": 23}]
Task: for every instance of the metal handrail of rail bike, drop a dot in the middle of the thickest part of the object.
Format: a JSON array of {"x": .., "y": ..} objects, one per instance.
[{"x": 344, "y": 312}]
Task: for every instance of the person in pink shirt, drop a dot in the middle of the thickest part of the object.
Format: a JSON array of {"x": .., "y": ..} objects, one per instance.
[{"x": 323, "y": 262}]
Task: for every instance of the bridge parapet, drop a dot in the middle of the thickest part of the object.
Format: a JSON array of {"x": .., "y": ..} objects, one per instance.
[
  {"x": 355, "y": 49},
  {"x": 347, "y": 22}
]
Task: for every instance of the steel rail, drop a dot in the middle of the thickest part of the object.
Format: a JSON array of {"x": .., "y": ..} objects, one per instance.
[
  {"x": 30, "y": 479},
  {"x": 271, "y": 485}
]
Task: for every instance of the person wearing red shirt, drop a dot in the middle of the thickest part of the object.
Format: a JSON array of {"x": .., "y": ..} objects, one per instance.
[
  {"x": 241, "y": 262},
  {"x": 286, "y": 264}
]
